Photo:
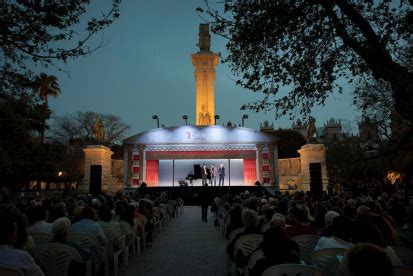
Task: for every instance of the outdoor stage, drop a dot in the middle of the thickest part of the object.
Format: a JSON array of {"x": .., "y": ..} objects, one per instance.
[{"x": 166, "y": 157}]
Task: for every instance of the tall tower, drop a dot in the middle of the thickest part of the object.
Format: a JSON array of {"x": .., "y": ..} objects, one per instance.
[{"x": 204, "y": 62}]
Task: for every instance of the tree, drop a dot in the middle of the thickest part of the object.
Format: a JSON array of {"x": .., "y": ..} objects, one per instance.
[
  {"x": 312, "y": 47},
  {"x": 35, "y": 32},
  {"x": 80, "y": 128},
  {"x": 45, "y": 86},
  {"x": 290, "y": 142}
]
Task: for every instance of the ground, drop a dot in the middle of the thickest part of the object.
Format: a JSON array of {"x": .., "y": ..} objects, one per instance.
[{"x": 188, "y": 246}]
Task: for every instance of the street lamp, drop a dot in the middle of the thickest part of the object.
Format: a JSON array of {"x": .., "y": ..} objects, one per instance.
[
  {"x": 185, "y": 117},
  {"x": 60, "y": 180},
  {"x": 216, "y": 117},
  {"x": 245, "y": 116},
  {"x": 155, "y": 117}
]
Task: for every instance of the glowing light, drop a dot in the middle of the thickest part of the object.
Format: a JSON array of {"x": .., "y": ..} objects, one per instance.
[{"x": 393, "y": 177}]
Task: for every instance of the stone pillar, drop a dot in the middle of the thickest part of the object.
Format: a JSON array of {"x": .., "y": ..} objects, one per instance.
[
  {"x": 312, "y": 153},
  {"x": 276, "y": 172},
  {"x": 273, "y": 164},
  {"x": 127, "y": 178},
  {"x": 260, "y": 147},
  {"x": 97, "y": 155},
  {"x": 204, "y": 63},
  {"x": 142, "y": 163}
]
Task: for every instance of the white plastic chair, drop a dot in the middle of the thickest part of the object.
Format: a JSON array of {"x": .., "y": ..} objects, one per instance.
[
  {"x": 235, "y": 232},
  {"x": 246, "y": 244},
  {"x": 293, "y": 270},
  {"x": 10, "y": 271},
  {"x": 402, "y": 270},
  {"x": 55, "y": 259},
  {"x": 326, "y": 259},
  {"x": 306, "y": 243},
  {"x": 111, "y": 236},
  {"x": 257, "y": 255},
  {"x": 91, "y": 242},
  {"x": 41, "y": 238},
  {"x": 405, "y": 255},
  {"x": 126, "y": 230}
]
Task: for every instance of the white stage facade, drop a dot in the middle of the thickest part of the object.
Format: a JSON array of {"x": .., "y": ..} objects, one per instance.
[{"x": 171, "y": 156}]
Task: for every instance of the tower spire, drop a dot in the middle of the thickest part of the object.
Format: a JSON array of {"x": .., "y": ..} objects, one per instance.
[{"x": 204, "y": 62}]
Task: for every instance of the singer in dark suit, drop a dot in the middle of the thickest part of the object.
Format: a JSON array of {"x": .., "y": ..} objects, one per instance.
[
  {"x": 204, "y": 174},
  {"x": 221, "y": 174}
]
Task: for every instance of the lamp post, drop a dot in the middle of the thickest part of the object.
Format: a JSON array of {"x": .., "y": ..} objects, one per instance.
[
  {"x": 60, "y": 179},
  {"x": 245, "y": 116},
  {"x": 216, "y": 117},
  {"x": 185, "y": 117},
  {"x": 155, "y": 117}
]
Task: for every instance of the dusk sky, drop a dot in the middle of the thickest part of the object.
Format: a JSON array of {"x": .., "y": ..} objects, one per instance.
[{"x": 146, "y": 69}]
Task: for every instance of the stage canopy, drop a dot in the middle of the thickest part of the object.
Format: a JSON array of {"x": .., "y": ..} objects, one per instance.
[{"x": 144, "y": 150}]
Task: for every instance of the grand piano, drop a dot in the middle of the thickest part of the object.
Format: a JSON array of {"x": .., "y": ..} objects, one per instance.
[{"x": 197, "y": 174}]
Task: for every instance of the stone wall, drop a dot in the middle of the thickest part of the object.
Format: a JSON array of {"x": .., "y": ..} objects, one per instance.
[
  {"x": 100, "y": 155},
  {"x": 294, "y": 173}
]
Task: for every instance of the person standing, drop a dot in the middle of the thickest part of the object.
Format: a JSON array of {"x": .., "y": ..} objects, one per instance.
[
  {"x": 204, "y": 174},
  {"x": 204, "y": 201},
  {"x": 213, "y": 175},
  {"x": 221, "y": 174}
]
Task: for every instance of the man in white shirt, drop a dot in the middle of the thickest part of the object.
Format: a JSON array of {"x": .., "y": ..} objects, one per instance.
[
  {"x": 204, "y": 174},
  {"x": 341, "y": 235}
]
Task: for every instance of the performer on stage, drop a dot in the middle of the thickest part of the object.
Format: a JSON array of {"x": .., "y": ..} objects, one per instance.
[
  {"x": 213, "y": 175},
  {"x": 221, "y": 174},
  {"x": 204, "y": 174}
]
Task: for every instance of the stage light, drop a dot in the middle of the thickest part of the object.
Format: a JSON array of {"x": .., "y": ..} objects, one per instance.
[
  {"x": 185, "y": 117},
  {"x": 155, "y": 117},
  {"x": 216, "y": 117},
  {"x": 244, "y": 117}
]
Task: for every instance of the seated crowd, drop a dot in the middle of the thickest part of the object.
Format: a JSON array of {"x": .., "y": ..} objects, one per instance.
[
  {"x": 367, "y": 229},
  {"x": 126, "y": 216}
]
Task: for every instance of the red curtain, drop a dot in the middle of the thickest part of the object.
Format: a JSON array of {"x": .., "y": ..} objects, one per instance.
[
  {"x": 250, "y": 171},
  {"x": 152, "y": 172}
]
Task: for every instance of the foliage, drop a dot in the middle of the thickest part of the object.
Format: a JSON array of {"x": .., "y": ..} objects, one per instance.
[
  {"x": 290, "y": 142},
  {"x": 36, "y": 33},
  {"x": 45, "y": 86},
  {"x": 40, "y": 33},
  {"x": 312, "y": 48},
  {"x": 80, "y": 128}
]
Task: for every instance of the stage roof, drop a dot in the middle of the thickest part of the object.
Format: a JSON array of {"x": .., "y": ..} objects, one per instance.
[{"x": 201, "y": 135}]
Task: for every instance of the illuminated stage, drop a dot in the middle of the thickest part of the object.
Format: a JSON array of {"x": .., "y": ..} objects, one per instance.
[{"x": 168, "y": 157}]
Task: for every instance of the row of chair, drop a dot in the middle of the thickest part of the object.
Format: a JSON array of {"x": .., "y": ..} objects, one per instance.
[
  {"x": 326, "y": 260},
  {"x": 55, "y": 258}
]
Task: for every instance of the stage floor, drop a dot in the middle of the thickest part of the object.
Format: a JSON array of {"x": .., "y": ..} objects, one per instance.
[{"x": 198, "y": 183}]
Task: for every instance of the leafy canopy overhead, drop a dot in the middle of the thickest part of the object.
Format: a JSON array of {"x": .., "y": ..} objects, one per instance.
[
  {"x": 38, "y": 32},
  {"x": 312, "y": 47}
]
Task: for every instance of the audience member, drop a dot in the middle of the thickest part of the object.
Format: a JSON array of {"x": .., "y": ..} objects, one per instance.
[
  {"x": 9, "y": 255},
  {"x": 365, "y": 259},
  {"x": 341, "y": 238},
  {"x": 299, "y": 225},
  {"x": 40, "y": 224},
  {"x": 277, "y": 249},
  {"x": 88, "y": 225}
]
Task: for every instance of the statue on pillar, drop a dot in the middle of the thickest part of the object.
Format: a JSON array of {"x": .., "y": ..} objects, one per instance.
[
  {"x": 204, "y": 117},
  {"x": 311, "y": 131},
  {"x": 98, "y": 130},
  {"x": 204, "y": 38}
]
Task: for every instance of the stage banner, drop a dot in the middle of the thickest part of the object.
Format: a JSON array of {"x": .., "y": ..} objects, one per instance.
[
  {"x": 250, "y": 171},
  {"x": 152, "y": 172}
]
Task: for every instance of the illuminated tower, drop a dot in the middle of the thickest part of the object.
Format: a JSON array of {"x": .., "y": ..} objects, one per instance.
[{"x": 204, "y": 62}]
